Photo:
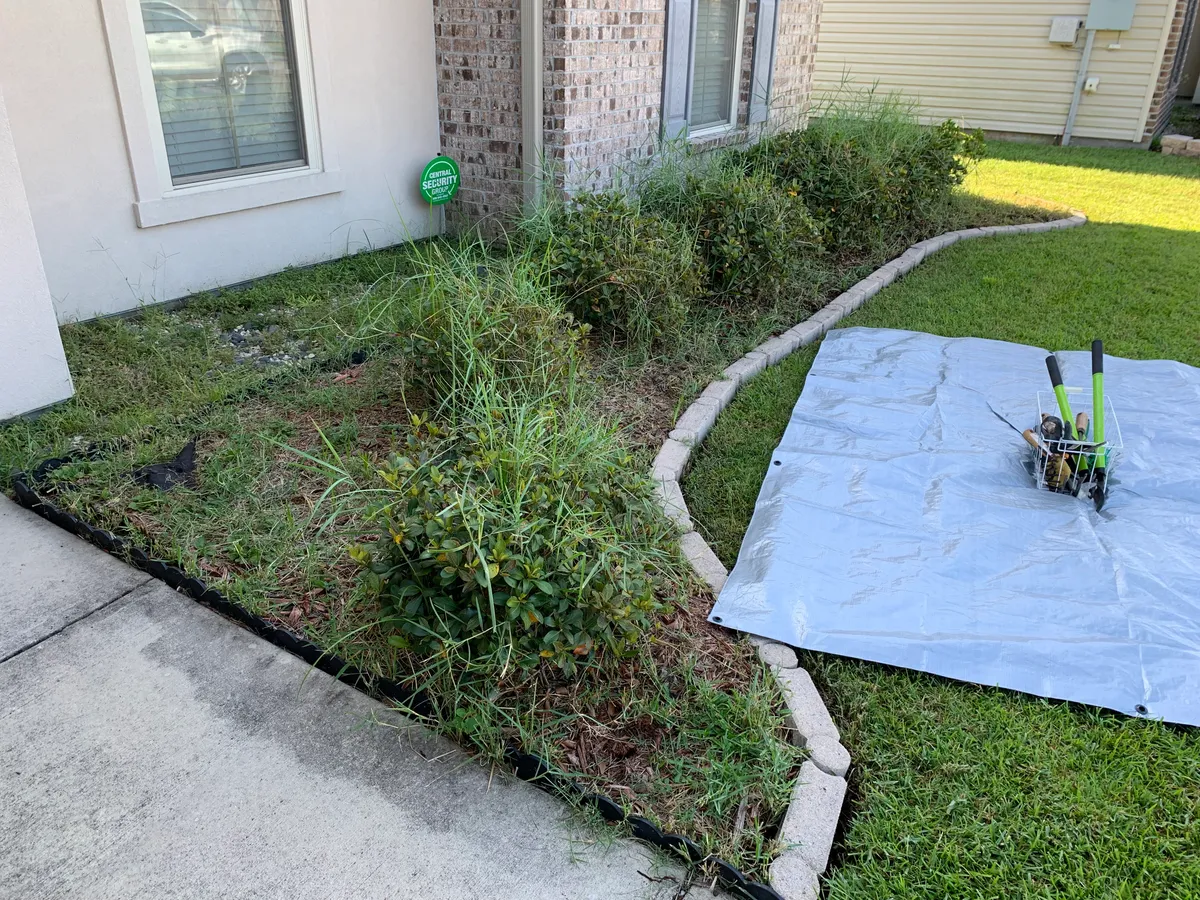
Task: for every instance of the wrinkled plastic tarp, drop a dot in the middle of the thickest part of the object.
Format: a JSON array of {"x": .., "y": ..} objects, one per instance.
[{"x": 899, "y": 523}]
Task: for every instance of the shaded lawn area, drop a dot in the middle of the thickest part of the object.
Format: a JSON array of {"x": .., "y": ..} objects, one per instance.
[{"x": 963, "y": 791}]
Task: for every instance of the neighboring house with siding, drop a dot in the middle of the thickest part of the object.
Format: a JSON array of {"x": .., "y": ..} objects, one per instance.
[
  {"x": 995, "y": 65},
  {"x": 151, "y": 149}
]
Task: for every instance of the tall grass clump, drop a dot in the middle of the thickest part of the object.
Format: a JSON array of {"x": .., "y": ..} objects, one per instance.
[
  {"x": 867, "y": 170},
  {"x": 514, "y": 526}
]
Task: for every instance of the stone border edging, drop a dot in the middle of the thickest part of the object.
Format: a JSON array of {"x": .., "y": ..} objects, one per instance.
[{"x": 816, "y": 807}]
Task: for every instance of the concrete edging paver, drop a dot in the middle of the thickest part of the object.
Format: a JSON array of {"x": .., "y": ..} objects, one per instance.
[{"x": 812, "y": 817}]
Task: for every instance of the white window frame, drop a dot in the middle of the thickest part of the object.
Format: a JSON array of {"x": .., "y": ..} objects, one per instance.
[
  {"x": 158, "y": 200},
  {"x": 721, "y": 128}
]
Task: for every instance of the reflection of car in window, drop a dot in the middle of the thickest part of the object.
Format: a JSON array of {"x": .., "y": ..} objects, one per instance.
[
  {"x": 223, "y": 79},
  {"x": 184, "y": 48}
]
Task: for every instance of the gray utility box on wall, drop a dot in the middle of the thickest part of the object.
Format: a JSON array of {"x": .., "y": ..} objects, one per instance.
[
  {"x": 1065, "y": 29},
  {"x": 1111, "y": 15}
]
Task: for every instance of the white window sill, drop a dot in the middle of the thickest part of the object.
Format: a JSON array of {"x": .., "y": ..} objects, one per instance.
[
  {"x": 219, "y": 198},
  {"x": 710, "y": 132}
]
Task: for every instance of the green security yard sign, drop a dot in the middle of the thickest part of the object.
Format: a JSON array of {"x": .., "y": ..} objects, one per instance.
[{"x": 439, "y": 181}]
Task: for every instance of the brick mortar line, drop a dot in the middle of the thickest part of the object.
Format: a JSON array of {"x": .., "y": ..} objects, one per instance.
[{"x": 815, "y": 810}]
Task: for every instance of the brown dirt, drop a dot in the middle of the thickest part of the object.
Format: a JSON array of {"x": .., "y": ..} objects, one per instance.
[{"x": 643, "y": 401}]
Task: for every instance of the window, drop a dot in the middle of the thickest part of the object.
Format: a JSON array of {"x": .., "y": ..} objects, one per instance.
[
  {"x": 221, "y": 104},
  {"x": 225, "y": 80},
  {"x": 716, "y": 61},
  {"x": 702, "y": 66}
]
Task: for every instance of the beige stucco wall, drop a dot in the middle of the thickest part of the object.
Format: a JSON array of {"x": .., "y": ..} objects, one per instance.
[
  {"x": 990, "y": 64},
  {"x": 33, "y": 369},
  {"x": 373, "y": 63}
]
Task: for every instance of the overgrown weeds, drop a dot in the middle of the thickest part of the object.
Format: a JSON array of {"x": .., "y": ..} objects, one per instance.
[
  {"x": 617, "y": 267},
  {"x": 775, "y": 228},
  {"x": 513, "y": 521},
  {"x": 754, "y": 239}
]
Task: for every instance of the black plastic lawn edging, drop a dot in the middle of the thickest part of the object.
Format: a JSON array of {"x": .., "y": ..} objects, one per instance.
[
  {"x": 176, "y": 578},
  {"x": 527, "y": 766}
]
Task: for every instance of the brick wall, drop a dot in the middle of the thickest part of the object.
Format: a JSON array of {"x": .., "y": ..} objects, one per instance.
[
  {"x": 603, "y": 89},
  {"x": 795, "y": 56},
  {"x": 478, "y": 52},
  {"x": 1169, "y": 76}
]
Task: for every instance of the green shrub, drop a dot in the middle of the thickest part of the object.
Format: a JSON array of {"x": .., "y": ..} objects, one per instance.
[
  {"x": 520, "y": 529},
  {"x": 867, "y": 171},
  {"x": 502, "y": 541},
  {"x": 751, "y": 235},
  {"x": 618, "y": 268}
]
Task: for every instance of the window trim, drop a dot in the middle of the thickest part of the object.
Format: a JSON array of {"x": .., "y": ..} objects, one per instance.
[
  {"x": 158, "y": 200},
  {"x": 721, "y": 128}
]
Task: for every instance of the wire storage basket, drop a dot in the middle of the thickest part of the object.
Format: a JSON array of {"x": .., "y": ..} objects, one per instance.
[{"x": 1066, "y": 465}]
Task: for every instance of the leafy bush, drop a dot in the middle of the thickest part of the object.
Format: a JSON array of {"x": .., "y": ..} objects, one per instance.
[
  {"x": 750, "y": 234},
  {"x": 867, "y": 170},
  {"x": 495, "y": 542},
  {"x": 521, "y": 529},
  {"x": 619, "y": 268}
]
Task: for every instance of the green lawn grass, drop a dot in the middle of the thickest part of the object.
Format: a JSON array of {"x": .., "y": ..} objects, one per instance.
[{"x": 967, "y": 792}]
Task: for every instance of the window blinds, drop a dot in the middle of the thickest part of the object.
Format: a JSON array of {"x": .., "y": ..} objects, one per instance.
[
  {"x": 224, "y": 77},
  {"x": 712, "y": 70}
]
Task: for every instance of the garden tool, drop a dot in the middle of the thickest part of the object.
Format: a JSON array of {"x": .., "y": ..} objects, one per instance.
[
  {"x": 1081, "y": 462},
  {"x": 1060, "y": 392},
  {"x": 1099, "y": 491},
  {"x": 1058, "y": 470},
  {"x": 1051, "y": 430}
]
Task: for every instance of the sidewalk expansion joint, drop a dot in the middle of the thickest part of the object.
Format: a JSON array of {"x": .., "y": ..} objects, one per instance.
[{"x": 56, "y": 632}]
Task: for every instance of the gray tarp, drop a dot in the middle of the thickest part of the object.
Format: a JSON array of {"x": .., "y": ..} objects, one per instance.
[{"x": 898, "y": 523}]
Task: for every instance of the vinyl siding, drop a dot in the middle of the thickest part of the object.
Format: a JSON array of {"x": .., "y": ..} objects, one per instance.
[{"x": 989, "y": 63}]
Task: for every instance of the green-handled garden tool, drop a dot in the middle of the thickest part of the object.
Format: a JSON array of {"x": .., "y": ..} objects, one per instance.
[
  {"x": 1100, "y": 468},
  {"x": 1060, "y": 392}
]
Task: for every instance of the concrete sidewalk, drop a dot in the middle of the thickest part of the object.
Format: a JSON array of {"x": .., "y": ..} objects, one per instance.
[{"x": 151, "y": 749}]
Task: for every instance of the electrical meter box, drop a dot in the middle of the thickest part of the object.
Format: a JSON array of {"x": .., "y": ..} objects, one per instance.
[
  {"x": 1065, "y": 29},
  {"x": 1111, "y": 15}
]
